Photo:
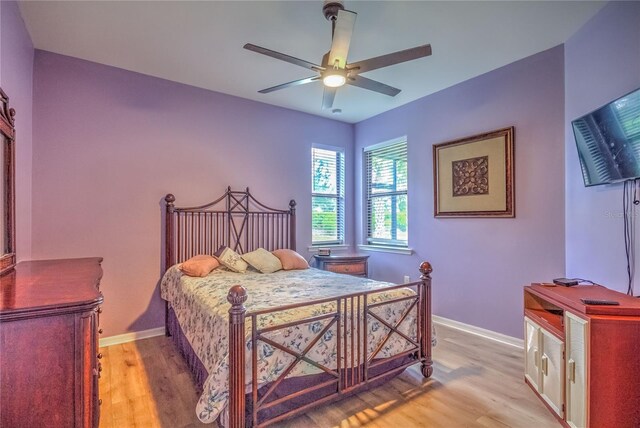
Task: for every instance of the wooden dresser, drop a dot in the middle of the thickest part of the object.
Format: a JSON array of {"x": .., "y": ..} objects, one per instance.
[
  {"x": 49, "y": 368},
  {"x": 355, "y": 264},
  {"x": 584, "y": 360}
]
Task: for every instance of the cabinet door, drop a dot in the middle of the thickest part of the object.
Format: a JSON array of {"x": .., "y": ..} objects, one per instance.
[
  {"x": 532, "y": 353},
  {"x": 552, "y": 368},
  {"x": 576, "y": 366}
]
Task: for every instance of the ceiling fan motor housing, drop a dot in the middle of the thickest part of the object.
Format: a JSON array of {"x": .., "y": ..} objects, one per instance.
[{"x": 330, "y": 9}]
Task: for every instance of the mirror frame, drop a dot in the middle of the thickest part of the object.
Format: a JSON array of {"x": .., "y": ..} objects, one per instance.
[{"x": 8, "y": 130}]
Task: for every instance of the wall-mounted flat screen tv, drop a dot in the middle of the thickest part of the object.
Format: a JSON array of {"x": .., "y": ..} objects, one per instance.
[{"x": 608, "y": 141}]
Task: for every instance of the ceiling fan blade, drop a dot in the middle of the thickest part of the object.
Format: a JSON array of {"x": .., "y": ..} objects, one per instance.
[
  {"x": 390, "y": 59},
  {"x": 342, "y": 38},
  {"x": 283, "y": 57},
  {"x": 327, "y": 97},
  {"x": 290, "y": 84},
  {"x": 373, "y": 85}
]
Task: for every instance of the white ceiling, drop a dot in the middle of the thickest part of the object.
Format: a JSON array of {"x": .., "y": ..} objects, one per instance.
[{"x": 200, "y": 43}]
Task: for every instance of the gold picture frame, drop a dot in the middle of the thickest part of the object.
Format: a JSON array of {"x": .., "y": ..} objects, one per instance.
[{"x": 474, "y": 176}]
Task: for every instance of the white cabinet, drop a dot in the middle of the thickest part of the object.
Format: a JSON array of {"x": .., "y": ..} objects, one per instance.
[
  {"x": 532, "y": 353},
  {"x": 544, "y": 364},
  {"x": 576, "y": 358}
]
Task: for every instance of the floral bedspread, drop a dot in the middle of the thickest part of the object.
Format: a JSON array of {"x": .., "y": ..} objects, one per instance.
[{"x": 202, "y": 310}]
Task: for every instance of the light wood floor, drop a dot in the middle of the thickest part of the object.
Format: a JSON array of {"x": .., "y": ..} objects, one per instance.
[{"x": 476, "y": 383}]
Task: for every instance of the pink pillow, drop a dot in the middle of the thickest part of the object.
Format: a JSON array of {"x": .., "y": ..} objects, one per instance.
[
  {"x": 290, "y": 259},
  {"x": 200, "y": 265}
]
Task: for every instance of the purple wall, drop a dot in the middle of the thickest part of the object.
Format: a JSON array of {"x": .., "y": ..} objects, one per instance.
[
  {"x": 16, "y": 79},
  {"x": 480, "y": 265},
  {"x": 602, "y": 62},
  {"x": 109, "y": 144}
]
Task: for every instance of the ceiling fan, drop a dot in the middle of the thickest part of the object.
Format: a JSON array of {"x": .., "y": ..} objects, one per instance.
[{"x": 335, "y": 71}]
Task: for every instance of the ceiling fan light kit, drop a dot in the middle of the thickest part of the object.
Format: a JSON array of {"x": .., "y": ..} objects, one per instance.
[
  {"x": 334, "y": 71},
  {"x": 334, "y": 78}
]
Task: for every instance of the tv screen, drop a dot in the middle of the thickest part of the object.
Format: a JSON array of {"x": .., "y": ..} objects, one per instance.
[{"x": 608, "y": 141}]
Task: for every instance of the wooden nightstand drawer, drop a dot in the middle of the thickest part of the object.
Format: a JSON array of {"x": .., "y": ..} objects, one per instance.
[
  {"x": 357, "y": 268},
  {"x": 351, "y": 265}
]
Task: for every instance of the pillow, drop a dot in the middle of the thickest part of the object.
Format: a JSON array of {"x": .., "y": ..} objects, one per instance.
[
  {"x": 263, "y": 261},
  {"x": 200, "y": 265},
  {"x": 290, "y": 259},
  {"x": 231, "y": 260}
]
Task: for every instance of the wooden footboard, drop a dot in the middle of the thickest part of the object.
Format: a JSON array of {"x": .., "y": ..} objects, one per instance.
[{"x": 355, "y": 365}]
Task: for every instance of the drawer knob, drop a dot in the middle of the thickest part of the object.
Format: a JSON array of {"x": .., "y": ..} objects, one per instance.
[
  {"x": 99, "y": 368},
  {"x": 99, "y": 355},
  {"x": 100, "y": 402},
  {"x": 100, "y": 331},
  {"x": 99, "y": 309}
]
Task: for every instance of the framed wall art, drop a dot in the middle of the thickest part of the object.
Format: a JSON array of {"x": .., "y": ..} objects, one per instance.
[{"x": 474, "y": 176}]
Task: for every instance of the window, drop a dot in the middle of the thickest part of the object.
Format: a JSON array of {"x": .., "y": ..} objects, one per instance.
[
  {"x": 327, "y": 196},
  {"x": 386, "y": 193}
]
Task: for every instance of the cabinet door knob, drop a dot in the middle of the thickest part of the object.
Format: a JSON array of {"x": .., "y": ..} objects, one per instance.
[
  {"x": 99, "y": 309},
  {"x": 99, "y": 368},
  {"x": 571, "y": 370},
  {"x": 100, "y": 402},
  {"x": 545, "y": 365},
  {"x": 99, "y": 355},
  {"x": 100, "y": 331}
]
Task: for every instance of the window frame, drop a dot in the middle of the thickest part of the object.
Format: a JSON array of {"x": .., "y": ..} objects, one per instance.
[
  {"x": 394, "y": 245},
  {"x": 339, "y": 196}
]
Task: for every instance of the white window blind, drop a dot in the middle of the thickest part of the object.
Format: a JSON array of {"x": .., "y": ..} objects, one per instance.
[
  {"x": 327, "y": 196},
  {"x": 386, "y": 194}
]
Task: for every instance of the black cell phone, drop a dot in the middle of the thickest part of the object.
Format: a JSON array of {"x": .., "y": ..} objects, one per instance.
[{"x": 566, "y": 282}]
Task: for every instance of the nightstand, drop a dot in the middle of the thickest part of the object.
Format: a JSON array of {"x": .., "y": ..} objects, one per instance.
[{"x": 355, "y": 265}]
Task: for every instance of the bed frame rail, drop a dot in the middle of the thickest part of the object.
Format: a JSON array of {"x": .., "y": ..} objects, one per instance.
[{"x": 354, "y": 362}]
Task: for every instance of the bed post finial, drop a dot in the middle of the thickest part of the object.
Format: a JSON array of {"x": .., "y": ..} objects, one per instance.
[
  {"x": 169, "y": 199},
  {"x": 425, "y": 270},
  {"x": 237, "y": 296},
  {"x": 426, "y": 326}
]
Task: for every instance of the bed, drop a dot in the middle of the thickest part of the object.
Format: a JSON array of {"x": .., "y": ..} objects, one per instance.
[{"x": 265, "y": 347}]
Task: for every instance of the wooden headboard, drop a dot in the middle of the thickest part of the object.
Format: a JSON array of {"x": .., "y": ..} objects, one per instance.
[{"x": 236, "y": 220}]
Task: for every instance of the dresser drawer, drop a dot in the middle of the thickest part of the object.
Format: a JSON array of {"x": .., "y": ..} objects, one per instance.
[{"x": 353, "y": 268}]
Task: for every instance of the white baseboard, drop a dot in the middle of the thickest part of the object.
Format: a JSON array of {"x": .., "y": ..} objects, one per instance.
[
  {"x": 488, "y": 334},
  {"x": 130, "y": 337}
]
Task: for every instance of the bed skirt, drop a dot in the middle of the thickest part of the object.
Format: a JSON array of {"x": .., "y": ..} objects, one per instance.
[
  {"x": 288, "y": 386},
  {"x": 196, "y": 367}
]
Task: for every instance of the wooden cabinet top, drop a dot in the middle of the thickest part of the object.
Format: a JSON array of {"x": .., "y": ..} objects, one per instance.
[
  {"x": 50, "y": 286},
  {"x": 342, "y": 257},
  {"x": 570, "y": 297}
]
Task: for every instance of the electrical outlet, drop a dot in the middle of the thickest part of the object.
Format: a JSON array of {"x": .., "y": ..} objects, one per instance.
[{"x": 407, "y": 279}]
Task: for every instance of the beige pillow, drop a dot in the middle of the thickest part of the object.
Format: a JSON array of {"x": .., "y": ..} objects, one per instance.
[
  {"x": 290, "y": 259},
  {"x": 231, "y": 260},
  {"x": 263, "y": 261},
  {"x": 200, "y": 265}
]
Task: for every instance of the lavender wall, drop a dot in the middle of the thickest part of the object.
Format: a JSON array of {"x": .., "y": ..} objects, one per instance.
[
  {"x": 109, "y": 144},
  {"x": 16, "y": 79},
  {"x": 480, "y": 265},
  {"x": 602, "y": 62}
]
